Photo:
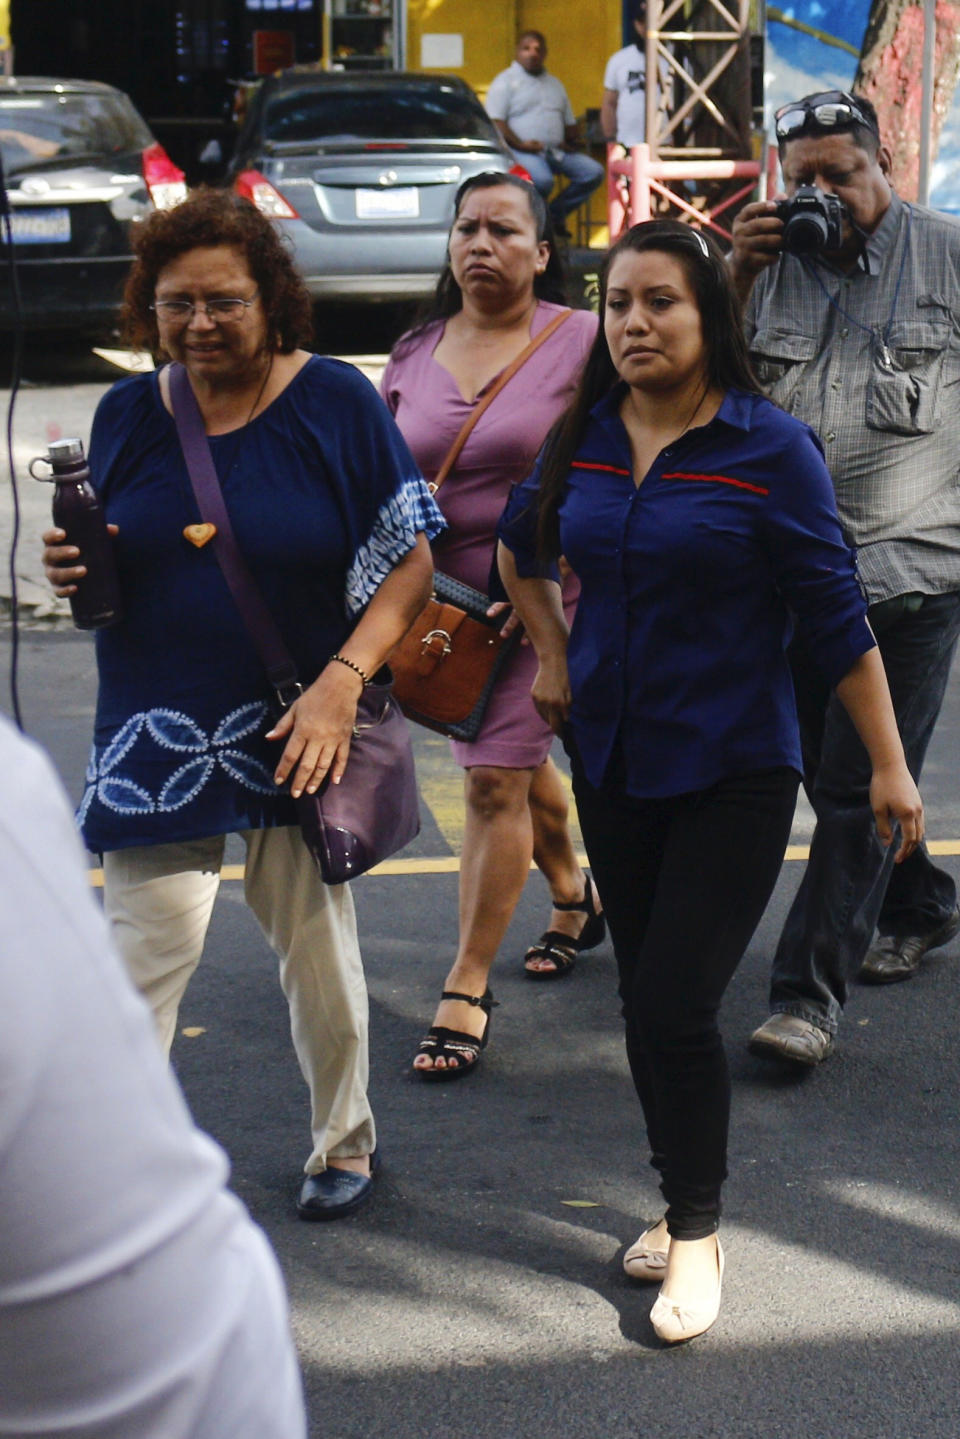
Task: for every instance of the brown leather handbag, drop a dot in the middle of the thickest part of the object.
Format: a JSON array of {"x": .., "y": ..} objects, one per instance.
[{"x": 447, "y": 663}]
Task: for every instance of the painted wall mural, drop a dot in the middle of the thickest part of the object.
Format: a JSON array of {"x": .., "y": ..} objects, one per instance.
[{"x": 875, "y": 47}]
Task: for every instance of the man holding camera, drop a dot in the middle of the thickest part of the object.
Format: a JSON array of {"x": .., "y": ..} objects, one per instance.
[{"x": 852, "y": 316}]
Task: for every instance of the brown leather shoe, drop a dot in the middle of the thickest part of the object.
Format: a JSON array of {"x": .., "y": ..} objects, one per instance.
[
  {"x": 893, "y": 958},
  {"x": 790, "y": 1039}
]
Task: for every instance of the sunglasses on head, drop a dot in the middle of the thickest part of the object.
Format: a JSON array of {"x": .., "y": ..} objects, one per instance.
[{"x": 833, "y": 110}]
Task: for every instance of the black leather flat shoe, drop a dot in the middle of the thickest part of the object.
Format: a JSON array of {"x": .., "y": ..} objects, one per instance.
[{"x": 336, "y": 1192}]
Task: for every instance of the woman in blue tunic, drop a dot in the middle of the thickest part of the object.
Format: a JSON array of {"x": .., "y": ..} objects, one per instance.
[
  {"x": 699, "y": 520},
  {"x": 334, "y": 520}
]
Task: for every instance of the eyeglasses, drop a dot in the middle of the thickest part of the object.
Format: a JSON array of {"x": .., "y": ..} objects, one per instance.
[
  {"x": 223, "y": 311},
  {"x": 832, "y": 110}
]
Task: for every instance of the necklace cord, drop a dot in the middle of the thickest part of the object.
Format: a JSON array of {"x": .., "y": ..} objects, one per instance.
[{"x": 253, "y": 410}]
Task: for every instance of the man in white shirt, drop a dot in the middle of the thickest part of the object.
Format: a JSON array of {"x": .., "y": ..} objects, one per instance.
[
  {"x": 623, "y": 111},
  {"x": 532, "y": 111},
  {"x": 137, "y": 1298}
]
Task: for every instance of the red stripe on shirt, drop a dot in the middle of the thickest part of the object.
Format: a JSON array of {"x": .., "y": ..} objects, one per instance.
[
  {"x": 719, "y": 480},
  {"x": 590, "y": 465}
]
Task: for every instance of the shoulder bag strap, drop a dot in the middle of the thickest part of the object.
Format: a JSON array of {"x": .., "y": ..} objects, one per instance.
[
  {"x": 261, "y": 626},
  {"x": 453, "y": 454}
]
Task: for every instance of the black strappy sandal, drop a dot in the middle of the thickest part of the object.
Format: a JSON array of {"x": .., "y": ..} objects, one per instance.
[
  {"x": 562, "y": 949},
  {"x": 441, "y": 1042}
]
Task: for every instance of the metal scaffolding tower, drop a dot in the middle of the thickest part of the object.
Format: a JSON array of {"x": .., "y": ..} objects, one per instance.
[{"x": 701, "y": 159}]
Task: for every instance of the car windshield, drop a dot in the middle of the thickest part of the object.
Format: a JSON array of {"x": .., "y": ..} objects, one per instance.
[
  {"x": 412, "y": 113},
  {"x": 47, "y": 126}
]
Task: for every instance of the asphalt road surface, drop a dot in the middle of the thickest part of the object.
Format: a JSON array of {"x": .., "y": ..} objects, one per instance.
[{"x": 480, "y": 1293}]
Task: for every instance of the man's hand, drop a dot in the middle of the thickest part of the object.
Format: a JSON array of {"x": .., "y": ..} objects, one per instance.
[{"x": 757, "y": 235}]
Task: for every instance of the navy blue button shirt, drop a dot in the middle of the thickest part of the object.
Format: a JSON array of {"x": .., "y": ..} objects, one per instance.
[{"x": 689, "y": 584}]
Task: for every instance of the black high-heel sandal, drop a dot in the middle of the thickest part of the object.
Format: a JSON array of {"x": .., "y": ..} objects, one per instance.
[
  {"x": 441, "y": 1042},
  {"x": 562, "y": 949}
]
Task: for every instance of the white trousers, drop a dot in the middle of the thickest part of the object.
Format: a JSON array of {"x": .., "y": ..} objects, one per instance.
[{"x": 159, "y": 899}]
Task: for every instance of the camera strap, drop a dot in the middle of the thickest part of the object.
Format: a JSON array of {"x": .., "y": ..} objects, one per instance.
[{"x": 886, "y": 359}]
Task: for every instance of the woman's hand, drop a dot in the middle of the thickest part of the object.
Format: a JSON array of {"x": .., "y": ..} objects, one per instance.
[
  {"x": 895, "y": 800},
  {"x": 551, "y": 691},
  {"x": 59, "y": 562},
  {"x": 511, "y": 623},
  {"x": 318, "y": 728}
]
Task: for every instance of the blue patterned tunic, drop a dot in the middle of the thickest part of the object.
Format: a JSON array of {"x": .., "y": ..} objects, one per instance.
[{"x": 324, "y": 498}]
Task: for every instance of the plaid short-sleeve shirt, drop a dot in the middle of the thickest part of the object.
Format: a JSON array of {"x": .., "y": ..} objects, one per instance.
[{"x": 871, "y": 361}]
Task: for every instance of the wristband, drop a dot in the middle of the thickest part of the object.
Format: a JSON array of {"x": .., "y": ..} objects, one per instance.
[{"x": 342, "y": 660}]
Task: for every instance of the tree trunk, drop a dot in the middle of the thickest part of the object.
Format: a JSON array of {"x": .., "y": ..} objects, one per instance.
[{"x": 890, "y": 74}]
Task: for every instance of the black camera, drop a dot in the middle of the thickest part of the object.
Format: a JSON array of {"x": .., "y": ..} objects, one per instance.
[{"x": 812, "y": 220}]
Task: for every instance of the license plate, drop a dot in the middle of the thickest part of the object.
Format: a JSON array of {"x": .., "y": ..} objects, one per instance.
[
  {"x": 399, "y": 204},
  {"x": 39, "y": 227}
]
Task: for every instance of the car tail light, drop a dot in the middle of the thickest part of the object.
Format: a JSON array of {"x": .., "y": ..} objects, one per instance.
[
  {"x": 521, "y": 172},
  {"x": 257, "y": 189},
  {"x": 165, "y": 180}
]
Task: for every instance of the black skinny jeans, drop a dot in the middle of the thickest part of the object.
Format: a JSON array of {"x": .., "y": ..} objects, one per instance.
[{"x": 684, "y": 881}]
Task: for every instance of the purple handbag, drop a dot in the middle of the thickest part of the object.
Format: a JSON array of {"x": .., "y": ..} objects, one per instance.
[{"x": 351, "y": 826}]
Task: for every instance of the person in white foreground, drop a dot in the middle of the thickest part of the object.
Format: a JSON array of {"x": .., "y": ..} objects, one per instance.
[{"x": 137, "y": 1298}]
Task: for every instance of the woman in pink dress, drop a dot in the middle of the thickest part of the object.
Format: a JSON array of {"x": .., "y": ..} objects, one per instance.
[{"x": 502, "y": 285}]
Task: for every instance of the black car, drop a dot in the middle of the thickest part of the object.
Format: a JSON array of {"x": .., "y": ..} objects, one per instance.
[
  {"x": 80, "y": 167},
  {"x": 360, "y": 171}
]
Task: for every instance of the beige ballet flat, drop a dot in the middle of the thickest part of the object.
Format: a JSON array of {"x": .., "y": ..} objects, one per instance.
[
  {"x": 675, "y": 1324},
  {"x": 642, "y": 1262}
]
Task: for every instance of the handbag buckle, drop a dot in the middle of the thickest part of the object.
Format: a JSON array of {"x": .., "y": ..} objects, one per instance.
[
  {"x": 434, "y": 638},
  {"x": 287, "y": 693}
]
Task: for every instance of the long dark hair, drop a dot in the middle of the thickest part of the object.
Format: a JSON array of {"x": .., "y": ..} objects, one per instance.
[
  {"x": 728, "y": 363},
  {"x": 447, "y": 298}
]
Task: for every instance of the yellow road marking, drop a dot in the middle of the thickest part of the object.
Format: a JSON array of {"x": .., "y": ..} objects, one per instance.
[
  {"x": 440, "y": 783},
  {"x": 450, "y": 863}
]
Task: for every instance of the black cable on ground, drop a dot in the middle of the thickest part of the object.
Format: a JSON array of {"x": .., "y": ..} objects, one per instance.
[{"x": 16, "y": 364}]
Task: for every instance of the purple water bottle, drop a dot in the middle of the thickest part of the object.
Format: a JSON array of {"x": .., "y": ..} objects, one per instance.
[{"x": 78, "y": 512}]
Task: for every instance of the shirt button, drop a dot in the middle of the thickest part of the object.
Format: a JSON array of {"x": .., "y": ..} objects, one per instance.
[
  {"x": 836, "y": 384},
  {"x": 844, "y": 333},
  {"x": 829, "y": 438}
]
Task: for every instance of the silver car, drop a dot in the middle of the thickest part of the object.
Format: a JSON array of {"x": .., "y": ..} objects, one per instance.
[{"x": 360, "y": 171}]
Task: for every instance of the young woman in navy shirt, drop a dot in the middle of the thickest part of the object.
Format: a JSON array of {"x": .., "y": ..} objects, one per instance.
[{"x": 700, "y": 520}]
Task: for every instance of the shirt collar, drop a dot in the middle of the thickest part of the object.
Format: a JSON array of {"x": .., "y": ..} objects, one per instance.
[
  {"x": 883, "y": 237},
  {"x": 871, "y": 257},
  {"x": 736, "y": 409}
]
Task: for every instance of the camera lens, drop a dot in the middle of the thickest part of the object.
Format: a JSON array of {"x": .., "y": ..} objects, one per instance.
[{"x": 804, "y": 233}]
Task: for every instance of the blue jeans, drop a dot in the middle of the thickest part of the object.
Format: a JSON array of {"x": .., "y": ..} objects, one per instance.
[
  {"x": 583, "y": 173},
  {"x": 851, "y": 884}
]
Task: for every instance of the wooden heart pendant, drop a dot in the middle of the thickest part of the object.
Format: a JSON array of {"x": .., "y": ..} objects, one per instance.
[{"x": 199, "y": 534}]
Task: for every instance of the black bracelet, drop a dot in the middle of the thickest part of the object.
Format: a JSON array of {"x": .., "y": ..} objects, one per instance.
[{"x": 342, "y": 659}]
